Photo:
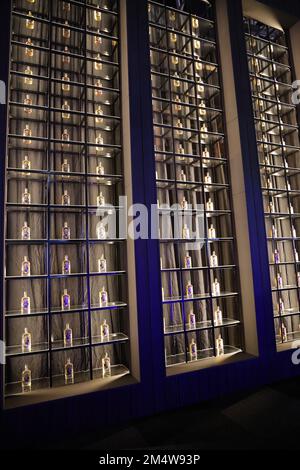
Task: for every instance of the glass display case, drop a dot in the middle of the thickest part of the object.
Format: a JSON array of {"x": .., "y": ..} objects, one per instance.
[
  {"x": 201, "y": 309},
  {"x": 277, "y": 134},
  {"x": 66, "y": 292}
]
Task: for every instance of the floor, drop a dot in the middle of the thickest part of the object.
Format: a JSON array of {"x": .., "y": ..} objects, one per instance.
[{"x": 265, "y": 419}]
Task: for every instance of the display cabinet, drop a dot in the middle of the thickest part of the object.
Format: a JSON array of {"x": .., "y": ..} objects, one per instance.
[
  {"x": 66, "y": 283},
  {"x": 201, "y": 306},
  {"x": 277, "y": 134}
]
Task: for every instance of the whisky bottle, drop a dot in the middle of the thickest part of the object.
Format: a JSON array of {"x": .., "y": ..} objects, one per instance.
[
  {"x": 176, "y": 80},
  {"x": 193, "y": 350},
  {"x": 100, "y": 169},
  {"x": 98, "y": 65},
  {"x": 192, "y": 320},
  {"x": 99, "y": 141},
  {"x": 178, "y": 106},
  {"x": 269, "y": 183},
  {"x": 220, "y": 346},
  {"x": 97, "y": 14},
  {"x": 25, "y": 232},
  {"x": 189, "y": 290},
  {"x": 195, "y": 23},
  {"x": 26, "y": 380},
  {"x": 274, "y": 232},
  {"x": 187, "y": 261},
  {"x": 175, "y": 60},
  {"x": 99, "y": 112},
  {"x": 209, "y": 205},
  {"x": 27, "y": 132},
  {"x": 216, "y": 288},
  {"x": 104, "y": 331},
  {"x": 202, "y": 109},
  {"x": 279, "y": 281},
  {"x": 26, "y": 163},
  {"x": 214, "y": 260},
  {"x": 100, "y": 200},
  {"x": 66, "y": 32},
  {"x": 66, "y": 265},
  {"x": 200, "y": 88},
  {"x": 281, "y": 306},
  {"x": 284, "y": 333},
  {"x": 182, "y": 176},
  {"x": 207, "y": 178},
  {"x": 30, "y": 24},
  {"x": 26, "y": 197},
  {"x": 173, "y": 38},
  {"x": 69, "y": 372},
  {"x": 218, "y": 316},
  {"x": 205, "y": 153},
  {"x": 179, "y": 131},
  {"x": 101, "y": 232},
  {"x": 212, "y": 232},
  {"x": 27, "y": 102},
  {"x": 276, "y": 257},
  {"x": 25, "y": 269},
  {"x": 106, "y": 366},
  {"x": 198, "y": 66},
  {"x": 103, "y": 298},
  {"x": 66, "y": 232},
  {"x": 65, "y": 199},
  {"x": 66, "y": 6},
  {"x": 185, "y": 232},
  {"x": 172, "y": 16},
  {"x": 98, "y": 39},
  {"x": 29, "y": 51},
  {"x": 65, "y": 138},
  {"x": 25, "y": 303},
  {"x": 102, "y": 264},
  {"x": 66, "y": 108},
  {"x": 65, "y": 167},
  {"x": 68, "y": 336},
  {"x": 65, "y": 85},
  {"x": 66, "y": 59},
  {"x": 98, "y": 90},
  {"x": 184, "y": 204},
  {"x": 26, "y": 341},
  {"x": 28, "y": 78},
  {"x": 65, "y": 300},
  {"x": 181, "y": 150}
]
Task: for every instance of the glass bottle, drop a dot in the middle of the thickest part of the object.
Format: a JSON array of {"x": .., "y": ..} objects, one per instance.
[
  {"x": 69, "y": 372},
  {"x": 66, "y": 31},
  {"x": 99, "y": 112},
  {"x": 27, "y": 102},
  {"x": 205, "y": 153},
  {"x": 101, "y": 232},
  {"x": 276, "y": 257},
  {"x": 279, "y": 281},
  {"x": 66, "y": 265},
  {"x": 176, "y": 81},
  {"x": 100, "y": 200},
  {"x": 200, "y": 87},
  {"x": 184, "y": 204},
  {"x": 175, "y": 60},
  {"x": 26, "y": 163},
  {"x": 28, "y": 76},
  {"x": 66, "y": 232},
  {"x": 26, "y": 197},
  {"x": 100, "y": 169},
  {"x": 195, "y": 23},
  {"x": 185, "y": 232},
  {"x": 103, "y": 297},
  {"x": 66, "y": 108},
  {"x": 65, "y": 137},
  {"x": 99, "y": 141},
  {"x": 25, "y": 231},
  {"x": 209, "y": 205},
  {"x": 179, "y": 124},
  {"x": 98, "y": 39},
  {"x": 162, "y": 294},
  {"x": 68, "y": 336},
  {"x": 218, "y": 316},
  {"x": 29, "y": 52},
  {"x": 296, "y": 254},
  {"x": 65, "y": 199},
  {"x": 187, "y": 261},
  {"x": 220, "y": 346},
  {"x": 211, "y": 232},
  {"x": 192, "y": 320},
  {"x": 213, "y": 260},
  {"x": 193, "y": 350},
  {"x": 216, "y": 288},
  {"x": 27, "y": 132},
  {"x": 274, "y": 232},
  {"x": 97, "y": 14},
  {"x": 102, "y": 264},
  {"x": 182, "y": 176},
  {"x": 281, "y": 306},
  {"x": 207, "y": 178},
  {"x": 26, "y": 380},
  {"x": 30, "y": 23},
  {"x": 66, "y": 59},
  {"x": 104, "y": 331},
  {"x": 98, "y": 91},
  {"x": 189, "y": 290},
  {"x": 65, "y": 85},
  {"x": 66, "y": 6},
  {"x": 65, "y": 167},
  {"x": 25, "y": 304},
  {"x": 284, "y": 333},
  {"x": 178, "y": 106},
  {"x": 98, "y": 65},
  {"x": 173, "y": 38},
  {"x": 25, "y": 269},
  {"x": 181, "y": 150},
  {"x": 106, "y": 366},
  {"x": 26, "y": 341},
  {"x": 65, "y": 300}
]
